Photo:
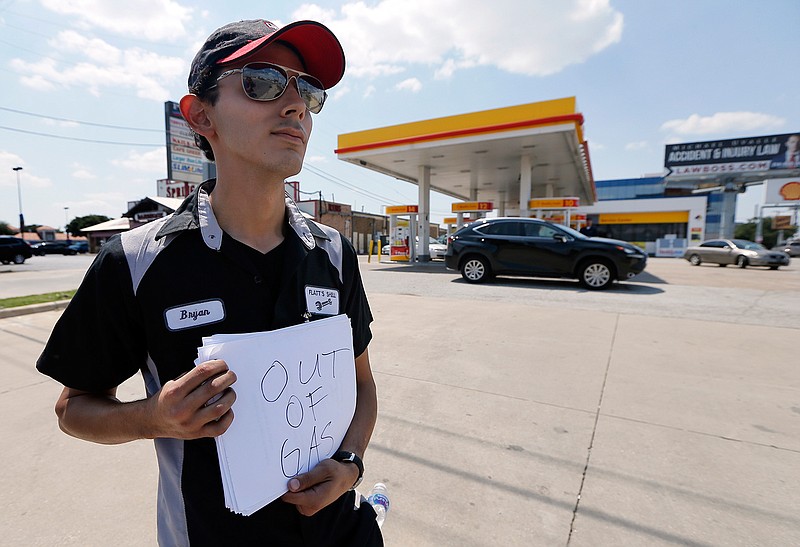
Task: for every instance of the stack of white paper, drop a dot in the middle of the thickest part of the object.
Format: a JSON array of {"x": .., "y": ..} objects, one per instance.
[{"x": 295, "y": 399}]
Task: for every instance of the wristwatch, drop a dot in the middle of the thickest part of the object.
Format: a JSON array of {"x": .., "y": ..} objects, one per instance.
[{"x": 350, "y": 457}]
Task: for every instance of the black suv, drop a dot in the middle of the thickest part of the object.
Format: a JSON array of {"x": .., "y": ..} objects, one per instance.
[
  {"x": 532, "y": 247},
  {"x": 14, "y": 249},
  {"x": 52, "y": 248}
]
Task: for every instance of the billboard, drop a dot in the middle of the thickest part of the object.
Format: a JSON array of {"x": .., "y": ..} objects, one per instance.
[
  {"x": 731, "y": 156},
  {"x": 185, "y": 161}
]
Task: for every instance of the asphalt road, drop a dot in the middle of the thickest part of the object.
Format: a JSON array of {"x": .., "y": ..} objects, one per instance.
[
  {"x": 665, "y": 411},
  {"x": 43, "y": 274},
  {"x": 668, "y": 287}
]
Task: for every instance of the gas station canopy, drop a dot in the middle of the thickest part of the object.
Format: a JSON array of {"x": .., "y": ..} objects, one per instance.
[{"x": 505, "y": 155}]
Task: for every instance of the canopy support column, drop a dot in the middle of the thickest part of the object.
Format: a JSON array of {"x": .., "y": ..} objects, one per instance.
[
  {"x": 524, "y": 185},
  {"x": 424, "y": 231}
]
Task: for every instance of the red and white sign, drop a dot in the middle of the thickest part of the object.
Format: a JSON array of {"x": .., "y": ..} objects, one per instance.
[{"x": 175, "y": 188}]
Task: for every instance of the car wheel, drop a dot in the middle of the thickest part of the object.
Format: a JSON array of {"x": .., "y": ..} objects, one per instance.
[
  {"x": 741, "y": 261},
  {"x": 19, "y": 259},
  {"x": 773, "y": 267},
  {"x": 596, "y": 274},
  {"x": 694, "y": 260},
  {"x": 475, "y": 269}
]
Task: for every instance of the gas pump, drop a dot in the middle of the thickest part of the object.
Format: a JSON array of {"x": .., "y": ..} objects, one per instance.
[{"x": 402, "y": 232}]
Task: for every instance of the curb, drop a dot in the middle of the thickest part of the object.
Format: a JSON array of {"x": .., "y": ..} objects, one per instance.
[{"x": 33, "y": 308}]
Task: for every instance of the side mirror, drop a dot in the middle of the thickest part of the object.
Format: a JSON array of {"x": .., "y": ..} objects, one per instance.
[{"x": 560, "y": 237}]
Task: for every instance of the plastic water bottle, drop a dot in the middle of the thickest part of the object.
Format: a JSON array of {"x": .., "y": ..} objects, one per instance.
[{"x": 379, "y": 499}]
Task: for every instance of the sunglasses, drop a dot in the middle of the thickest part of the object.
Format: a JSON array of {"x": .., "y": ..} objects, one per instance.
[{"x": 267, "y": 82}]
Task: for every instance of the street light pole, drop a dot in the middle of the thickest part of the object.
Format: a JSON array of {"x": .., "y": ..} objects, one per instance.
[
  {"x": 19, "y": 197},
  {"x": 66, "y": 221}
]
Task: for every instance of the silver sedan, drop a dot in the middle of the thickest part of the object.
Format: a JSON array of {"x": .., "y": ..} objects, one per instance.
[{"x": 741, "y": 252}]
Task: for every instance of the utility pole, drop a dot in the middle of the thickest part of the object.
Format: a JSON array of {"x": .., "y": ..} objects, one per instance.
[
  {"x": 19, "y": 197},
  {"x": 66, "y": 221}
]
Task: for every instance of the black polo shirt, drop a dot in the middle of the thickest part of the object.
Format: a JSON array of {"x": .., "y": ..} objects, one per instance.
[{"x": 146, "y": 302}]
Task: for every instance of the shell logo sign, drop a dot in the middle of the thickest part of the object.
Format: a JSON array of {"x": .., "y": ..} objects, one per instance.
[
  {"x": 402, "y": 209},
  {"x": 790, "y": 191}
]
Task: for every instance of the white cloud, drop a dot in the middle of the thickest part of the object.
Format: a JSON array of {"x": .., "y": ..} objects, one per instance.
[
  {"x": 148, "y": 19},
  {"x": 537, "y": 37},
  {"x": 92, "y": 49},
  {"x": 723, "y": 123},
  {"x": 153, "y": 161},
  {"x": 82, "y": 172},
  {"x": 110, "y": 204},
  {"x": 411, "y": 84},
  {"x": 340, "y": 92},
  {"x": 639, "y": 145},
  {"x": 107, "y": 67},
  {"x": 369, "y": 91},
  {"x": 316, "y": 159},
  {"x": 9, "y": 160}
]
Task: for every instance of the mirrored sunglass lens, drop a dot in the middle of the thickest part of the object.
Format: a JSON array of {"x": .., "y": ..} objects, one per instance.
[
  {"x": 312, "y": 93},
  {"x": 263, "y": 84}
]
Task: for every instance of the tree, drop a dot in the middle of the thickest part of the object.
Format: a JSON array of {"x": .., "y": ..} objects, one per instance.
[
  {"x": 748, "y": 231},
  {"x": 5, "y": 230},
  {"x": 79, "y": 223}
]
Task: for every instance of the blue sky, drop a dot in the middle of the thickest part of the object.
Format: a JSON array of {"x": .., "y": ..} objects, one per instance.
[{"x": 645, "y": 73}]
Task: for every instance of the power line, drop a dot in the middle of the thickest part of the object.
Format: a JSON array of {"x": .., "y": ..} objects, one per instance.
[
  {"x": 78, "y": 139},
  {"x": 81, "y": 122},
  {"x": 319, "y": 172},
  {"x": 382, "y": 199}
]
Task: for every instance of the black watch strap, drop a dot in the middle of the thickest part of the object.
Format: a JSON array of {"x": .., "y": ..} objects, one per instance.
[{"x": 350, "y": 457}]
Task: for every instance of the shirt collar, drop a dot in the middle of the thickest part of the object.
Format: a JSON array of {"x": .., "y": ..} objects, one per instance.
[{"x": 196, "y": 212}]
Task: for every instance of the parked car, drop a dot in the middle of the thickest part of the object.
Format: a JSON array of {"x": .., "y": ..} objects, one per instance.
[
  {"x": 536, "y": 248},
  {"x": 79, "y": 247},
  {"x": 51, "y": 248},
  {"x": 435, "y": 248},
  {"x": 741, "y": 252},
  {"x": 791, "y": 248},
  {"x": 14, "y": 249}
]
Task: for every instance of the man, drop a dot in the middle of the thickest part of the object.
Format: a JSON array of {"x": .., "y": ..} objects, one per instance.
[
  {"x": 789, "y": 158},
  {"x": 589, "y": 230},
  {"x": 237, "y": 256}
]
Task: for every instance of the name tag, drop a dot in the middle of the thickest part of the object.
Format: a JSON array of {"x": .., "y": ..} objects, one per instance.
[
  {"x": 189, "y": 316},
  {"x": 322, "y": 301}
]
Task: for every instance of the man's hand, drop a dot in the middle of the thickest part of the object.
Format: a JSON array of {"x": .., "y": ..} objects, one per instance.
[
  {"x": 195, "y": 405},
  {"x": 321, "y": 486}
]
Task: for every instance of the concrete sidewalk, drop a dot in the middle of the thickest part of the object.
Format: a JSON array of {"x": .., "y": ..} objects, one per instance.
[{"x": 502, "y": 424}]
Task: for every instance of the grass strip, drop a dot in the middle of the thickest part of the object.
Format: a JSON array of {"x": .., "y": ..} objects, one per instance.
[{"x": 17, "y": 301}]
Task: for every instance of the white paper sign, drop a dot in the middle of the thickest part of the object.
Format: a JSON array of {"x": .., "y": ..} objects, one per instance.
[{"x": 295, "y": 399}]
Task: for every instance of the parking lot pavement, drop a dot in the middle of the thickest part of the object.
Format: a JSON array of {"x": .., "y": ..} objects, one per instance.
[{"x": 525, "y": 412}]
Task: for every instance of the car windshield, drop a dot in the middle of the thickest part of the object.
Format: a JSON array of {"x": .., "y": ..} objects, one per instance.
[{"x": 747, "y": 245}]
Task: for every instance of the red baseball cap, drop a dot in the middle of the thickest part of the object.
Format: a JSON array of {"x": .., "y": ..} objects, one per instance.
[{"x": 317, "y": 46}]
